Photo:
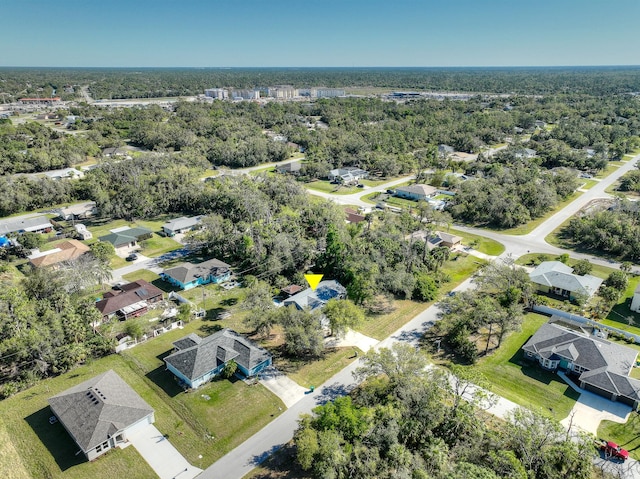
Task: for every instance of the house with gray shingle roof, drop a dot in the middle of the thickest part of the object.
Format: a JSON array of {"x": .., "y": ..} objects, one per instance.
[
  {"x": 181, "y": 225},
  {"x": 316, "y": 298},
  {"x": 101, "y": 413},
  {"x": 190, "y": 275},
  {"x": 557, "y": 278},
  {"x": 599, "y": 366},
  {"x": 197, "y": 360}
]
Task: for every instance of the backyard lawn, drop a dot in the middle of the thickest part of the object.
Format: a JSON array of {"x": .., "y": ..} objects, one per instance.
[{"x": 524, "y": 382}]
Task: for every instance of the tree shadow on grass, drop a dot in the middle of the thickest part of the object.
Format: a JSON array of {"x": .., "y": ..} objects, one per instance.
[
  {"x": 56, "y": 439},
  {"x": 210, "y": 328}
]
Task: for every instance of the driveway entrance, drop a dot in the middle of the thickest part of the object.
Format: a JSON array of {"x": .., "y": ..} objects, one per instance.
[{"x": 163, "y": 458}]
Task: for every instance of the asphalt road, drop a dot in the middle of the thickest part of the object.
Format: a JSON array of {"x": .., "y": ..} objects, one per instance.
[{"x": 240, "y": 461}]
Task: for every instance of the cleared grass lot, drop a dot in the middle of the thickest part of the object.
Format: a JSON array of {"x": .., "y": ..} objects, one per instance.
[
  {"x": 379, "y": 326},
  {"x": 523, "y": 381}
]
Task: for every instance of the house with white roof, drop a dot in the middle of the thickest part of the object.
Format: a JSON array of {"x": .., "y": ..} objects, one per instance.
[{"x": 557, "y": 278}]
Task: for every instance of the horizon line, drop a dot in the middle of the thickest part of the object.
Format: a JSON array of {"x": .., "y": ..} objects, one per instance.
[{"x": 329, "y": 67}]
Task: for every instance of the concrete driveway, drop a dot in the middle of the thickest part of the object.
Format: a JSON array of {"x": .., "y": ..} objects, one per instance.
[
  {"x": 289, "y": 391},
  {"x": 163, "y": 458},
  {"x": 590, "y": 409}
]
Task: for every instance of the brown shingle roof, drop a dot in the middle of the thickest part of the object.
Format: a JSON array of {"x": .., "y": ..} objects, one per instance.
[{"x": 131, "y": 293}]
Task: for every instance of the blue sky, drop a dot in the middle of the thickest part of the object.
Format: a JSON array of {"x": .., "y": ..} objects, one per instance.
[{"x": 350, "y": 33}]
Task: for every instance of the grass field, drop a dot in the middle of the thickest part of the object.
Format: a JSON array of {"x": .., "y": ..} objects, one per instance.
[
  {"x": 380, "y": 326},
  {"x": 588, "y": 184},
  {"x": 611, "y": 167},
  {"x": 524, "y": 382},
  {"x": 326, "y": 187},
  {"x": 310, "y": 373},
  {"x": 145, "y": 274},
  {"x": 485, "y": 245}
]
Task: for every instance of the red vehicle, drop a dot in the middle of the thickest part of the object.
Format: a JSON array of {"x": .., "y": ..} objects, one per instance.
[{"x": 611, "y": 449}]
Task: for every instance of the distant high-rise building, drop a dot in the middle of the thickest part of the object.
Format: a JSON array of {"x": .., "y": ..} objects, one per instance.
[
  {"x": 283, "y": 92},
  {"x": 217, "y": 93},
  {"x": 326, "y": 92},
  {"x": 246, "y": 94}
]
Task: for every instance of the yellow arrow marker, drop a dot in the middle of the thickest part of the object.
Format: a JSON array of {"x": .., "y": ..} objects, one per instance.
[{"x": 313, "y": 280}]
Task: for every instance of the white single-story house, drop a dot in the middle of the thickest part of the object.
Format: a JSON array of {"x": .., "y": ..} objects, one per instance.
[
  {"x": 557, "y": 278},
  {"x": 197, "y": 360},
  {"x": 181, "y": 225},
  {"x": 416, "y": 192},
  {"x": 600, "y": 366},
  {"x": 101, "y": 413},
  {"x": 292, "y": 168},
  {"x": 77, "y": 212},
  {"x": 347, "y": 175}
]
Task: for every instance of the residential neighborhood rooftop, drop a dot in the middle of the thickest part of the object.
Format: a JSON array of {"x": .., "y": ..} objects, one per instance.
[
  {"x": 197, "y": 356},
  {"x": 97, "y": 408},
  {"x": 187, "y": 272}
]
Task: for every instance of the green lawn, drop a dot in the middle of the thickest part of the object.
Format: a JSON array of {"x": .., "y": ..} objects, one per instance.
[
  {"x": 460, "y": 267},
  {"x": 326, "y": 187},
  {"x": 588, "y": 184},
  {"x": 158, "y": 245},
  {"x": 626, "y": 435},
  {"x": 621, "y": 316},
  {"x": 611, "y": 167},
  {"x": 380, "y": 326},
  {"x": 145, "y": 274},
  {"x": 310, "y": 373},
  {"x": 533, "y": 224},
  {"x": 269, "y": 170},
  {"x": 371, "y": 197},
  {"x": 485, "y": 245},
  {"x": 524, "y": 382}
]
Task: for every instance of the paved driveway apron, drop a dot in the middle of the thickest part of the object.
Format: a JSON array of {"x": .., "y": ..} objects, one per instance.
[{"x": 163, "y": 458}]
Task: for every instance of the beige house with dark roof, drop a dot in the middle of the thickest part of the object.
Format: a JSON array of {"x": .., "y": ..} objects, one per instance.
[{"x": 101, "y": 413}]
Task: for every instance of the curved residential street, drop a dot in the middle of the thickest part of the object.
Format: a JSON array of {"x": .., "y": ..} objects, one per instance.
[{"x": 252, "y": 452}]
